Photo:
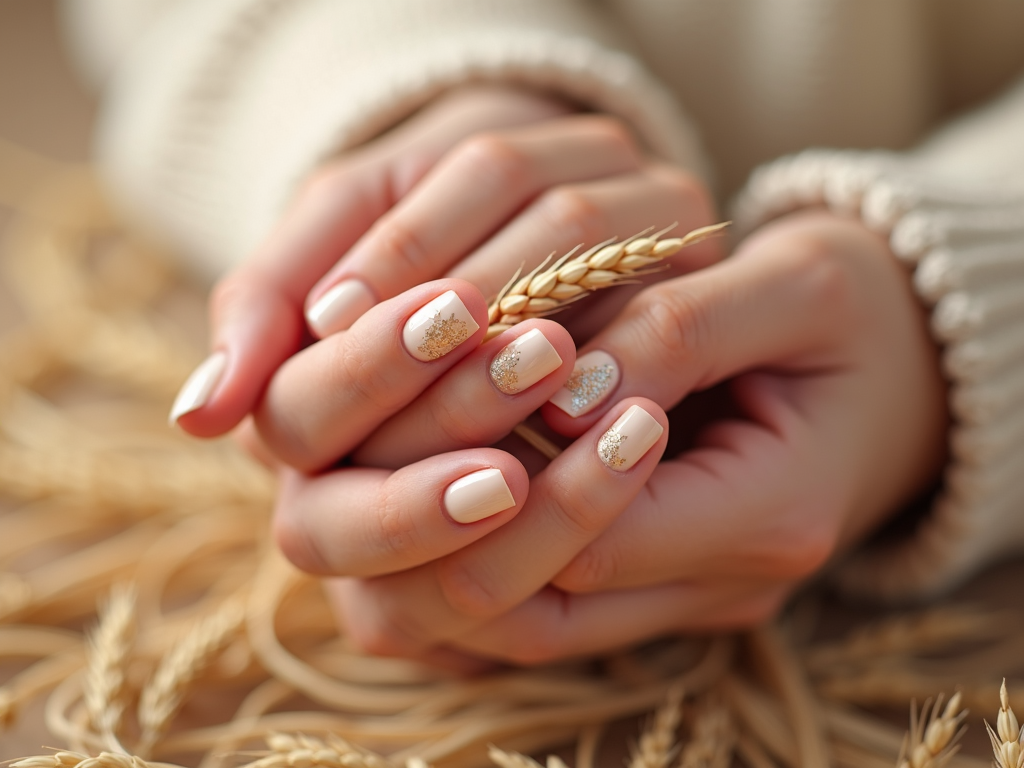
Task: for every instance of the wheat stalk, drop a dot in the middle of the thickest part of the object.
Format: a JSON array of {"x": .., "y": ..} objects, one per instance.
[
  {"x": 1007, "y": 737},
  {"x": 713, "y": 739},
  {"x": 162, "y": 696},
  {"x": 658, "y": 744},
  {"x": 551, "y": 287},
  {"x": 933, "y": 738},
  {"x": 110, "y": 645}
]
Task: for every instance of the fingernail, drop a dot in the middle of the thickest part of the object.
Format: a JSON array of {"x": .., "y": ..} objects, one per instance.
[
  {"x": 629, "y": 438},
  {"x": 337, "y": 309},
  {"x": 593, "y": 378},
  {"x": 524, "y": 362},
  {"x": 197, "y": 389},
  {"x": 477, "y": 496},
  {"x": 438, "y": 327}
]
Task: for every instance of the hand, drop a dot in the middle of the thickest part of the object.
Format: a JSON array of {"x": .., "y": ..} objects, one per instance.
[
  {"x": 473, "y": 186},
  {"x": 840, "y": 421}
]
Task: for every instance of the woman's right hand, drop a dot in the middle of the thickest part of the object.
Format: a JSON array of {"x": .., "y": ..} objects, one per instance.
[{"x": 486, "y": 180}]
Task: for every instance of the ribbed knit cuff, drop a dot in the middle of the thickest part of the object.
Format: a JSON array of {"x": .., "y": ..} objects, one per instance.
[
  {"x": 219, "y": 115},
  {"x": 966, "y": 250}
]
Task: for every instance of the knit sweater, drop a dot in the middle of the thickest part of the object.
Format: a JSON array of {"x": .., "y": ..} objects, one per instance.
[{"x": 213, "y": 113}]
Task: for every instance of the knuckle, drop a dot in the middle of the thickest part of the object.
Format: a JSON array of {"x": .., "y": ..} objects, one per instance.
[
  {"x": 365, "y": 380},
  {"x": 687, "y": 191},
  {"x": 579, "y": 509},
  {"x": 572, "y": 212},
  {"x": 590, "y": 571},
  {"x": 396, "y": 525},
  {"x": 497, "y": 161},
  {"x": 801, "y": 547},
  {"x": 462, "y": 424},
  {"x": 823, "y": 278},
  {"x": 755, "y": 611},
  {"x": 468, "y": 592},
  {"x": 399, "y": 244},
  {"x": 533, "y": 648},
  {"x": 616, "y": 133},
  {"x": 672, "y": 323}
]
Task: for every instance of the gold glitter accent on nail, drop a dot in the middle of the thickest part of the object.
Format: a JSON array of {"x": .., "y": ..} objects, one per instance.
[
  {"x": 588, "y": 385},
  {"x": 608, "y": 448},
  {"x": 443, "y": 336},
  {"x": 503, "y": 370}
]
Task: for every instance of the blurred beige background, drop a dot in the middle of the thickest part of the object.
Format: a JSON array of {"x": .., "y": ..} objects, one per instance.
[{"x": 45, "y": 108}]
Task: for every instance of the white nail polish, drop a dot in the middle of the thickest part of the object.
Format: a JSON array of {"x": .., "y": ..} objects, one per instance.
[
  {"x": 593, "y": 378},
  {"x": 438, "y": 327},
  {"x": 628, "y": 439},
  {"x": 199, "y": 386},
  {"x": 337, "y": 309},
  {"x": 477, "y": 496},
  {"x": 524, "y": 362}
]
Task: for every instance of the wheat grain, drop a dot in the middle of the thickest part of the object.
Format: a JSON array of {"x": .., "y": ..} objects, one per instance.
[
  {"x": 110, "y": 645},
  {"x": 933, "y": 738},
  {"x": 658, "y": 744},
  {"x": 713, "y": 738},
  {"x": 77, "y": 760},
  {"x": 1008, "y": 736},
  {"x": 163, "y": 695},
  {"x": 551, "y": 287}
]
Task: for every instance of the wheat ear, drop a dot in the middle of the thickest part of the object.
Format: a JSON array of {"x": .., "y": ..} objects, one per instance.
[
  {"x": 300, "y": 751},
  {"x": 713, "y": 739},
  {"x": 110, "y": 645},
  {"x": 76, "y": 760},
  {"x": 933, "y": 737},
  {"x": 658, "y": 743},
  {"x": 1007, "y": 735},
  {"x": 553, "y": 286},
  {"x": 163, "y": 694},
  {"x": 504, "y": 759}
]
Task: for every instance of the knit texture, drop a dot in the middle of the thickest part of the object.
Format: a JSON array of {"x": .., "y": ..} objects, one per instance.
[
  {"x": 966, "y": 249},
  {"x": 227, "y": 108}
]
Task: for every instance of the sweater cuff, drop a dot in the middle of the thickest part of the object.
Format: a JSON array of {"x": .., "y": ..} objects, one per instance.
[
  {"x": 966, "y": 250},
  {"x": 222, "y": 111}
]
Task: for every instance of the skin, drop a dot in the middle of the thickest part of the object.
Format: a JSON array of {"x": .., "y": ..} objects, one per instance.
[{"x": 836, "y": 412}]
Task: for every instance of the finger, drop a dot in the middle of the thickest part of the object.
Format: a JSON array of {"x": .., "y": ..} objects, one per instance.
[
  {"x": 480, "y": 400},
  {"x": 364, "y": 522},
  {"x": 256, "y": 312},
  {"x": 775, "y": 302},
  {"x": 553, "y": 625},
  {"x": 591, "y": 212},
  {"x": 571, "y": 501},
  {"x": 469, "y": 194},
  {"x": 325, "y": 400},
  {"x": 745, "y": 503}
]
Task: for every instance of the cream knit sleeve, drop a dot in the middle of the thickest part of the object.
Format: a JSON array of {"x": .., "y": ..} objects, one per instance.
[
  {"x": 218, "y": 111},
  {"x": 953, "y": 211}
]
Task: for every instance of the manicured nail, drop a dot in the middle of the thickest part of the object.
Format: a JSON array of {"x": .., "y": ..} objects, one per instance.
[
  {"x": 477, "y": 496},
  {"x": 197, "y": 389},
  {"x": 593, "y": 378},
  {"x": 629, "y": 438},
  {"x": 524, "y": 362},
  {"x": 337, "y": 309},
  {"x": 438, "y": 327}
]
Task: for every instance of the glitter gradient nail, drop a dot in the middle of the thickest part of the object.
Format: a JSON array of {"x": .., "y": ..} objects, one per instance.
[
  {"x": 438, "y": 327},
  {"x": 524, "y": 362},
  {"x": 593, "y": 378},
  {"x": 629, "y": 439}
]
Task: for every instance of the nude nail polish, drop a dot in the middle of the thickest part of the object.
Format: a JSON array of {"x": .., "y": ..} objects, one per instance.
[
  {"x": 628, "y": 439},
  {"x": 339, "y": 308},
  {"x": 593, "y": 378},
  {"x": 438, "y": 327},
  {"x": 199, "y": 386},
  {"x": 477, "y": 496},
  {"x": 524, "y": 362}
]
